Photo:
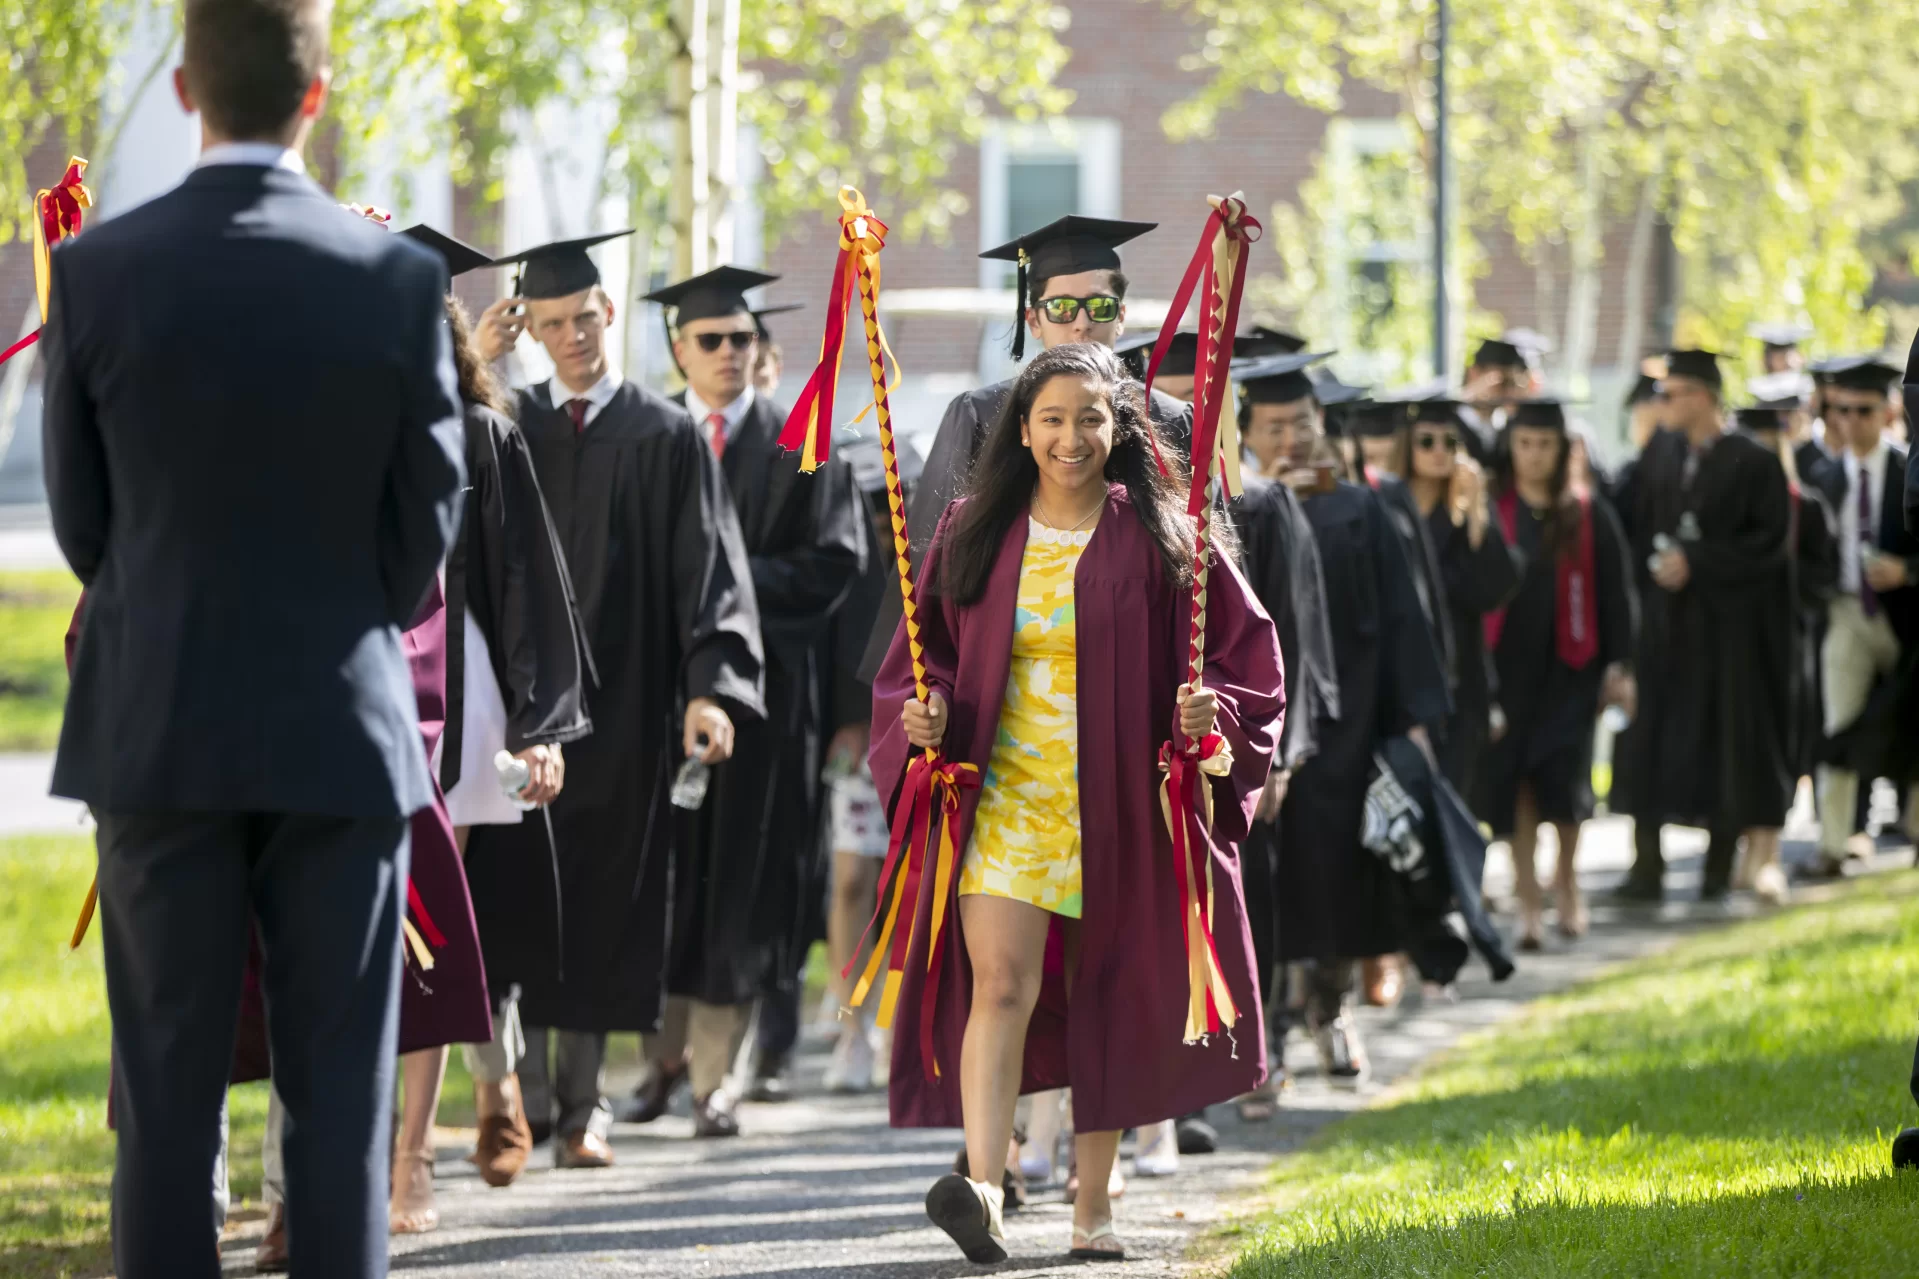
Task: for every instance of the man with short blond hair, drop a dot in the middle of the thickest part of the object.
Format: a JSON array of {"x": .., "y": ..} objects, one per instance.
[{"x": 666, "y": 601}]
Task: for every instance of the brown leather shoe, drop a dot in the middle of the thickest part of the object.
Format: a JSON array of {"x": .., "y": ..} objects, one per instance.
[
  {"x": 505, "y": 1139},
  {"x": 583, "y": 1150},
  {"x": 270, "y": 1258},
  {"x": 713, "y": 1115}
]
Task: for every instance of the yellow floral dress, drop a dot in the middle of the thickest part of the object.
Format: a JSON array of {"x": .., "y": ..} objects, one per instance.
[{"x": 1025, "y": 843}]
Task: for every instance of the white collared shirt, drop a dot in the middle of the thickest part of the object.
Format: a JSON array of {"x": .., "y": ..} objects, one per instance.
[
  {"x": 734, "y": 413},
  {"x": 597, "y": 396},
  {"x": 1873, "y": 467},
  {"x": 265, "y": 155}
]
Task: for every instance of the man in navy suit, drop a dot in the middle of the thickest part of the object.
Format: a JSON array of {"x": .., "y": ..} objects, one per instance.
[{"x": 253, "y": 458}]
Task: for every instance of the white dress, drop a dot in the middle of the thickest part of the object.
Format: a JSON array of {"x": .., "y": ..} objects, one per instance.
[{"x": 477, "y": 798}]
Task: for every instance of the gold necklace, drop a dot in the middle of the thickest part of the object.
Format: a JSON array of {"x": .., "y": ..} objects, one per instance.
[{"x": 1054, "y": 524}]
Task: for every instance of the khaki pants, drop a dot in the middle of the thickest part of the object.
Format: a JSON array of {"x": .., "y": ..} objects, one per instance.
[
  {"x": 1859, "y": 650},
  {"x": 701, "y": 1033}
]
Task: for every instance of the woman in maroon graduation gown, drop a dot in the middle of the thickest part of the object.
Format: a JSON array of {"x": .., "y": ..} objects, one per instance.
[{"x": 1056, "y": 642}]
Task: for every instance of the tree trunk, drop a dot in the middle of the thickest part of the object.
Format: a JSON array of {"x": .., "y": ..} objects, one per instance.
[
  {"x": 1586, "y": 253},
  {"x": 1632, "y": 328},
  {"x": 688, "y": 104},
  {"x": 723, "y": 118}
]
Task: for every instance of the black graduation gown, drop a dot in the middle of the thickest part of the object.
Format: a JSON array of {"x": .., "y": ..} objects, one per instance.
[
  {"x": 1336, "y": 899},
  {"x": 962, "y": 430},
  {"x": 1402, "y": 512},
  {"x": 1475, "y": 582},
  {"x": 666, "y": 597},
  {"x": 508, "y": 567},
  {"x": 746, "y": 868},
  {"x": 1816, "y": 573},
  {"x": 1714, "y": 660},
  {"x": 1281, "y": 561},
  {"x": 1549, "y": 706}
]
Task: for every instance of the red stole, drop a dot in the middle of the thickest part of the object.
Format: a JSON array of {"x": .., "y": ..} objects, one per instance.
[{"x": 1575, "y": 595}]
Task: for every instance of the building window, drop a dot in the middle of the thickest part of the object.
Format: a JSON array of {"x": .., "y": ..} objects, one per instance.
[
  {"x": 1378, "y": 233},
  {"x": 1031, "y": 175}
]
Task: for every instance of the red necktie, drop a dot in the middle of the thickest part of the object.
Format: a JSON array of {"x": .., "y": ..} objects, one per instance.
[
  {"x": 716, "y": 433},
  {"x": 576, "y": 409}
]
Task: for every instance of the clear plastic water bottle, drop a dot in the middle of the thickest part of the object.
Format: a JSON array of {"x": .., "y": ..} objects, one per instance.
[
  {"x": 689, "y": 784},
  {"x": 515, "y": 775}
]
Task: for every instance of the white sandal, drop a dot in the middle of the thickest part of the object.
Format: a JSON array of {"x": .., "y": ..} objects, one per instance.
[{"x": 1083, "y": 1241}]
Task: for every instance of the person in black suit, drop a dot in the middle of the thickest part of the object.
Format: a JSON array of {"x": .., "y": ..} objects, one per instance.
[
  {"x": 748, "y": 879},
  {"x": 1873, "y": 622},
  {"x": 253, "y": 460}
]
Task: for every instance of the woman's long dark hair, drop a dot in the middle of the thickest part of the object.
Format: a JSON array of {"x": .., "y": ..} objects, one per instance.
[
  {"x": 1561, "y": 533},
  {"x": 477, "y": 383},
  {"x": 1004, "y": 476}
]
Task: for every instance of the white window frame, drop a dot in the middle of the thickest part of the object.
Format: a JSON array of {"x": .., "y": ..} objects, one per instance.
[
  {"x": 1093, "y": 141},
  {"x": 1348, "y": 140}
]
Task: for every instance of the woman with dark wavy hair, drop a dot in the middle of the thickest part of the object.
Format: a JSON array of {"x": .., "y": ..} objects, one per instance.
[{"x": 1055, "y": 630}]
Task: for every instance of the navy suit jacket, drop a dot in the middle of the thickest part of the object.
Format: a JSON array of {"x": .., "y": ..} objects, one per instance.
[{"x": 254, "y": 460}]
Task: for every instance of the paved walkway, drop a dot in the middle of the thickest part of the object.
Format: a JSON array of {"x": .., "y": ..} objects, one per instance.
[{"x": 821, "y": 1187}]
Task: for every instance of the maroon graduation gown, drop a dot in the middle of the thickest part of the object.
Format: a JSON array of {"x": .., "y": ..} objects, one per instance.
[
  {"x": 447, "y": 1004},
  {"x": 1117, "y": 1043}
]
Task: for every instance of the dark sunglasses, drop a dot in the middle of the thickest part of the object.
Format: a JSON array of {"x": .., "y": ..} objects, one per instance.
[
  {"x": 1100, "y": 309},
  {"x": 710, "y": 342},
  {"x": 1424, "y": 440}
]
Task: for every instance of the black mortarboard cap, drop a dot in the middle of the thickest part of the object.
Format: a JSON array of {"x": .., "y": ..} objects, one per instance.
[
  {"x": 1182, "y": 356},
  {"x": 1498, "y": 353},
  {"x": 1761, "y": 417},
  {"x": 1700, "y": 366},
  {"x": 1644, "y": 388},
  {"x": 559, "y": 269},
  {"x": 1857, "y": 373},
  {"x": 1278, "y": 379},
  {"x": 459, "y": 256},
  {"x": 1261, "y": 340},
  {"x": 1377, "y": 418},
  {"x": 1542, "y": 412},
  {"x": 1333, "y": 393},
  {"x": 759, "y": 316},
  {"x": 1780, "y": 335},
  {"x": 1064, "y": 247},
  {"x": 711, "y": 294},
  {"x": 1133, "y": 350}
]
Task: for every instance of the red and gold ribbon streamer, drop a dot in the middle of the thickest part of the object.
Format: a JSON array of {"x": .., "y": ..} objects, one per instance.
[
  {"x": 1218, "y": 271},
  {"x": 58, "y": 212},
  {"x": 1183, "y": 798},
  {"x": 809, "y": 427},
  {"x": 926, "y": 819}
]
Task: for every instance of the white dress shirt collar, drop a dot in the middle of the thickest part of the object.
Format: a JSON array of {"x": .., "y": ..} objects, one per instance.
[
  {"x": 597, "y": 396},
  {"x": 734, "y": 413},
  {"x": 265, "y": 155}
]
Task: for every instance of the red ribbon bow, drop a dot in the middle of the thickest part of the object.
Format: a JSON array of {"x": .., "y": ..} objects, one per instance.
[
  {"x": 59, "y": 211},
  {"x": 809, "y": 427}
]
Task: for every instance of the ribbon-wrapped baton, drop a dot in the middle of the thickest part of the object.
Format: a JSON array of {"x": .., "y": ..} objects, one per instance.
[{"x": 926, "y": 819}]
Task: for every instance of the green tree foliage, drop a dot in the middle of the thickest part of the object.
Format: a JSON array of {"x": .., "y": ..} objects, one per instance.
[
  {"x": 882, "y": 92},
  {"x": 58, "y": 57},
  {"x": 1772, "y": 135}
]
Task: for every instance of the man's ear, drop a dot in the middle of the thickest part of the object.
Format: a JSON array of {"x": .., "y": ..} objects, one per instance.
[
  {"x": 1032, "y": 324},
  {"x": 182, "y": 92},
  {"x": 314, "y": 100}
]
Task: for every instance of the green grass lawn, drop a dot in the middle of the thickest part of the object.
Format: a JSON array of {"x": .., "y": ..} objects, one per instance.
[
  {"x": 56, "y": 1153},
  {"x": 34, "y": 611},
  {"x": 1724, "y": 1108}
]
